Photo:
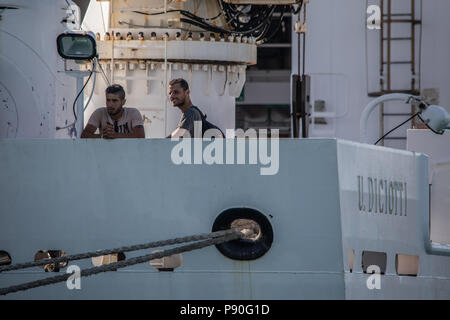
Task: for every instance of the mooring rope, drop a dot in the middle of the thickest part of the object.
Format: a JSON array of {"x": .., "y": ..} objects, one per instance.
[
  {"x": 116, "y": 250},
  {"x": 226, "y": 236}
]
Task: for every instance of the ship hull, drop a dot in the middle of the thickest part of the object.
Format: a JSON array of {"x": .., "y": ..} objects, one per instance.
[{"x": 86, "y": 195}]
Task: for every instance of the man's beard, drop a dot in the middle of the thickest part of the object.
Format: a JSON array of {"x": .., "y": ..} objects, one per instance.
[
  {"x": 112, "y": 113},
  {"x": 180, "y": 103}
]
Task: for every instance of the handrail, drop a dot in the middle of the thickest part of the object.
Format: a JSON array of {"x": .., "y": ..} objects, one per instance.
[{"x": 371, "y": 105}]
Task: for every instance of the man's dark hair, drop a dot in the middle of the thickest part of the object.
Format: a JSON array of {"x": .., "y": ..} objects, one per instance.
[
  {"x": 183, "y": 83},
  {"x": 116, "y": 89}
]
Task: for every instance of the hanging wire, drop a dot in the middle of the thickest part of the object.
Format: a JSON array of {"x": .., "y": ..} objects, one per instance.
[
  {"x": 93, "y": 84},
  {"x": 410, "y": 118},
  {"x": 76, "y": 99}
]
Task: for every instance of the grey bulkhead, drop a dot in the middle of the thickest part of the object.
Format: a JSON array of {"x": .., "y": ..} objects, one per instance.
[{"x": 86, "y": 195}]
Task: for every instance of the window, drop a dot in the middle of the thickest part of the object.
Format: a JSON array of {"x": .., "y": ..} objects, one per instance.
[
  {"x": 351, "y": 259},
  {"x": 264, "y": 102},
  {"x": 5, "y": 258},
  {"x": 373, "y": 261},
  {"x": 264, "y": 117},
  {"x": 107, "y": 259},
  {"x": 50, "y": 254},
  {"x": 168, "y": 263},
  {"x": 407, "y": 265}
]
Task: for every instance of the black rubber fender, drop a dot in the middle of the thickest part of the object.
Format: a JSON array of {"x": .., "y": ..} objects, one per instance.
[{"x": 244, "y": 249}]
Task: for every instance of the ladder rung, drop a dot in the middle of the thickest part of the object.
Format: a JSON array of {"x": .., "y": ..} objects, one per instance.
[
  {"x": 396, "y": 114},
  {"x": 394, "y": 138},
  {"x": 398, "y": 38},
  {"x": 398, "y": 14},
  {"x": 400, "y": 21},
  {"x": 399, "y": 62},
  {"x": 380, "y": 93}
]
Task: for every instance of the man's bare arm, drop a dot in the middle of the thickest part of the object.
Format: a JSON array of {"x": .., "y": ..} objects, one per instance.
[
  {"x": 178, "y": 133},
  {"x": 137, "y": 133},
  {"x": 88, "y": 132}
]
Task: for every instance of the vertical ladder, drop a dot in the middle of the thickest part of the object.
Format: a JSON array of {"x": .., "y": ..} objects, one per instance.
[{"x": 386, "y": 63}]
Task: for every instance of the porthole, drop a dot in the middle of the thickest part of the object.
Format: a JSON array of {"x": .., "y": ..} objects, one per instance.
[
  {"x": 407, "y": 265},
  {"x": 107, "y": 259},
  {"x": 5, "y": 258},
  {"x": 168, "y": 263},
  {"x": 374, "y": 262},
  {"x": 50, "y": 254},
  {"x": 351, "y": 259},
  {"x": 257, "y": 227}
]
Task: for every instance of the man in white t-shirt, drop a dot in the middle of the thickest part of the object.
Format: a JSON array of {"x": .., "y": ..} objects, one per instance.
[{"x": 115, "y": 121}]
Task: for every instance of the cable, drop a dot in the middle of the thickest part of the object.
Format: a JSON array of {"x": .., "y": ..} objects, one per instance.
[
  {"x": 366, "y": 55},
  {"x": 206, "y": 27},
  {"x": 258, "y": 18},
  {"x": 253, "y": 14},
  {"x": 262, "y": 33},
  {"x": 278, "y": 26},
  {"x": 197, "y": 21},
  {"x": 75, "y": 101},
  {"x": 69, "y": 125},
  {"x": 79, "y": 93},
  {"x": 156, "y": 27},
  {"x": 253, "y": 20},
  {"x": 93, "y": 83},
  {"x": 299, "y": 4},
  {"x": 410, "y": 118},
  {"x": 104, "y": 74},
  {"x": 213, "y": 28},
  {"x": 214, "y": 18},
  {"x": 103, "y": 18},
  {"x": 184, "y": 12},
  {"x": 440, "y": 133},
  {"x": 304, "y": 43},
  {"x": 420, "y": 47}
]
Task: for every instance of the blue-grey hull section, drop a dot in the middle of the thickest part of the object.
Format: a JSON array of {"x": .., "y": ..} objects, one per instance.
[
  {"x": 200, "y": 284},
  {"x": 86, "y": 195}
]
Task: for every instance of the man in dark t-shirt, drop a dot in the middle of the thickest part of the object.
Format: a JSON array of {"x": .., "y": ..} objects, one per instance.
[
  {"x": 179, "y": 96},
  {"x": 187, "y": 121}
]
